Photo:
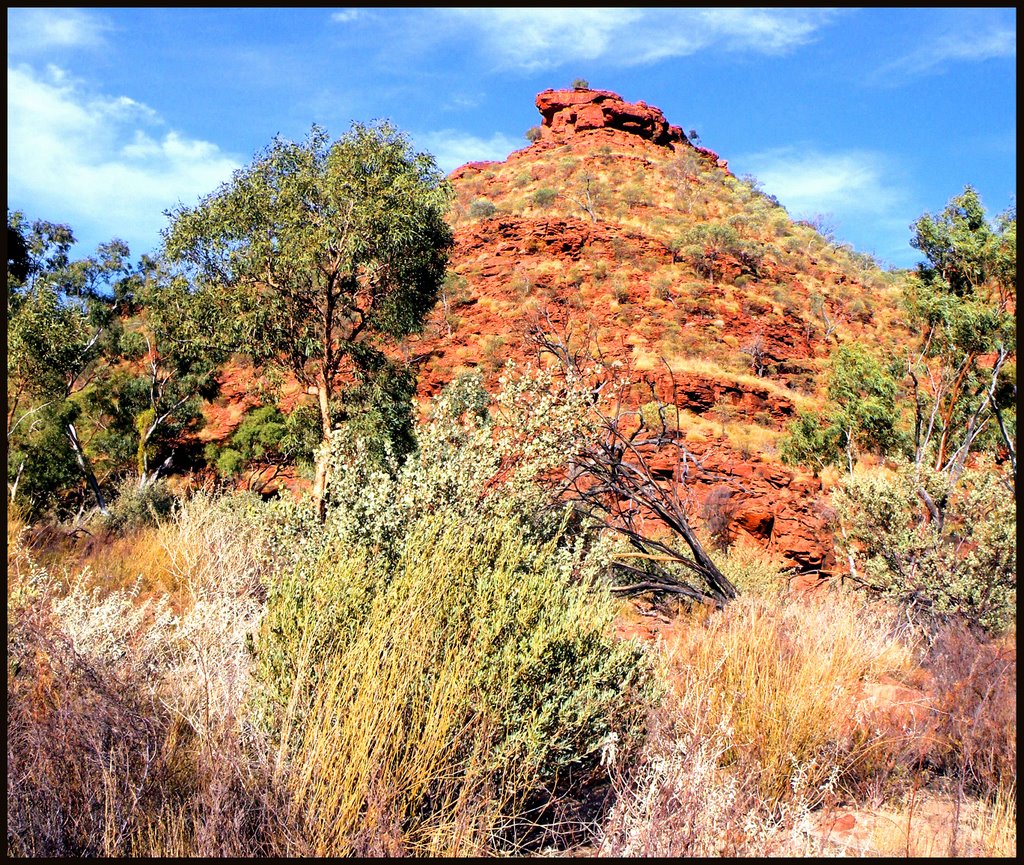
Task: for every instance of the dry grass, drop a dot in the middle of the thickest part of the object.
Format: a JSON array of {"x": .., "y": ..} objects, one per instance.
[
  {"x": 926, "y": 825},
  {"x": 782, "y": 675},
  {"x": 973, "y": 680},
  {"x": 762, "y": 737},
  {"x": 124, "y": 734},
  {"x": 129, "y": 730},
  {"x": 753, "y": 569},
  {"x": 756, "y": 730}
]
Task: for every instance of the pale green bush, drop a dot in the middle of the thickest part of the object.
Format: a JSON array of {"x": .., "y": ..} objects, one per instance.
[
  {"x": 482, "y": 208},
  {"x": 479, "y": 660},
  {"x": 962, "y": 560},
  {"x": 137, "y": 506},
  {"x": 447, "y": 609}
]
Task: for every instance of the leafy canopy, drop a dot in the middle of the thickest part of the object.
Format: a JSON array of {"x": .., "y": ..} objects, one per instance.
[
  {"x": 860, "y": 414},
  {"x": 315, "y": 258},
  {"x": 961, "y": 301},
  {"x": 318, "y": 250}
]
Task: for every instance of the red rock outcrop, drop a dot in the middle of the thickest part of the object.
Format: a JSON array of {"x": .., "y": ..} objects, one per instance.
[{"x": 567, "y": 112}]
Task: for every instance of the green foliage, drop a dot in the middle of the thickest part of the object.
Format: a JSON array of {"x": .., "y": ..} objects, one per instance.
[
  {"x": 544, "y": 197},
  {"x": 359, "y": 216},
  {"x": 864, "y": 393},
  {"x": 462, "y": 448},
  {"x": 315, "y": 256},
  {"x": 63, "y": 331},
  {"x": 959, "y": 244},
  {"x": 708, "y": 244},
  {"x": 960, "y": 558},
  {"x": 93, "y": 344},
  {"x": 175, "y": 373},
  {"x": 137, "y": 506},
  {"x": 18, "y": 261},
  {"x": 861, "y": 414},
  {"x": 808, "y": 442},
  {"x": 482, "y": 208},
  {"x": 257, "y": 437},
  {"x": 42, "y": 472},
  {"x": 533, "y": 134},
  {"x": 539, "y": 668},
  {"x": 580, "y": 84},
  {"x": 960, "y": 301},
  {"x": 444, "y": 594}
]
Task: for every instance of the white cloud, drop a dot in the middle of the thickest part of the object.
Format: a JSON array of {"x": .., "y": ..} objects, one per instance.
[
  {"x": 452, "y": 148},
  {"x": 806, "y": 181},
  {"x": 102, "y": 163},
  {"x": 533, "y": 39},
  {"x": 966, "y": 45},
  {"x": 32, "y": 30},
  {"x": 858, "y": 191},
  {"x": 346, "y": 15}
]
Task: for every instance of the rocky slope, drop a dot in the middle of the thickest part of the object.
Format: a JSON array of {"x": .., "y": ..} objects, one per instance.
[
  {"x": 595, "y": 228},
  {"x": 613, "y": 225}
]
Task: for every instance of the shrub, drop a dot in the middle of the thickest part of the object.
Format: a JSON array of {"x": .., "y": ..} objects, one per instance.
[
  {"x": 464, "y": 682},
  {"x": 962, "y": 560},
  {"x": 137, "y": 506},
  {"x": 533, "y": 134},
  {"x": 635, "y": 194},
  {"x": 974, "y": 682},
  {"x": 861, "y": 416},
  {"x": 482, "y": 208},
  {"x": 717, "y": 511},
  {"x": 580, "y": 84},
  {"x": 259, "y": 435},
  {"x": 124, "y": 735},
  {"x": 752, "y": 569},
  {"x": 84, "y": 758},
  {"x": 661, "y": 286},
  {"x": 544, "y": 197}
]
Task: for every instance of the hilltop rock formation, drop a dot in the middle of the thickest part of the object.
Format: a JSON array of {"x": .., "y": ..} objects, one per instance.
[{"x": 567, "y": 113}]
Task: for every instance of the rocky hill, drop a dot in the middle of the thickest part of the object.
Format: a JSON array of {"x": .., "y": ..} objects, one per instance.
[{"x": 614, "y": 224}]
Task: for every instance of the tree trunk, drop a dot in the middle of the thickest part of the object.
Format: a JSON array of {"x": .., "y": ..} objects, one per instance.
[
  {"x": 320, "y": 478},
  {"x": 83, "y": 462},
  {"x": 17, "y": 480}
]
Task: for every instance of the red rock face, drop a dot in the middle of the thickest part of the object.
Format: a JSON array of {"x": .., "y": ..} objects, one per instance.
[{"x": 567, "y": 112}]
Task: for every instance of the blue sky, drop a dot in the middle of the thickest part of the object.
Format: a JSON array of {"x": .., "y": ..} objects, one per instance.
[{"x": 869, "y": 117}]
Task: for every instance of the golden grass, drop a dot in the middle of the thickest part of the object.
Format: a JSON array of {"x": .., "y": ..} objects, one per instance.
[
  {"x": 141, "y": 557},
  {"x": 753, "y": 569},
  {"x": 746, "y": 437},
  {"x": 928, "y": 826},
  {"x": 782, "y": 676}
]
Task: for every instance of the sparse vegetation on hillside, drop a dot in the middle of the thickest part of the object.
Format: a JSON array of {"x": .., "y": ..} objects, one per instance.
[{"x": 699, "y": 539}]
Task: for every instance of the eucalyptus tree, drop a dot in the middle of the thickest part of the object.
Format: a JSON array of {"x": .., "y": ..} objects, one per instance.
[
  {"x": 961, "y": 302},
  {"x": 165, "y": 379},
  {"x": 315, "y": 258},
  {"x": 61, "y": 324}
]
